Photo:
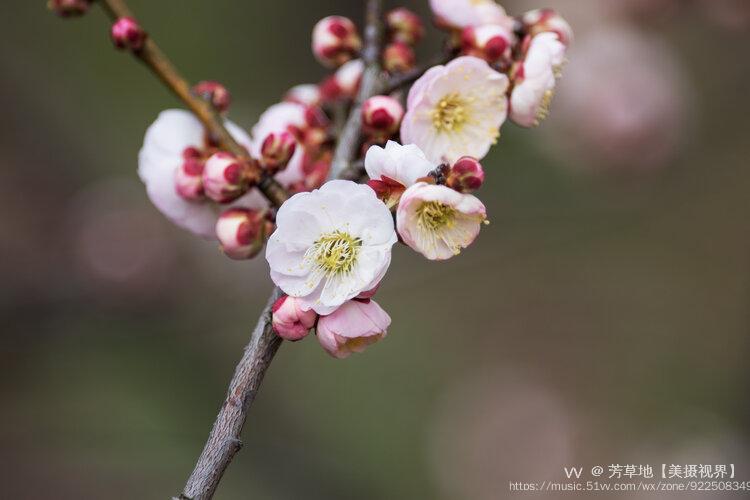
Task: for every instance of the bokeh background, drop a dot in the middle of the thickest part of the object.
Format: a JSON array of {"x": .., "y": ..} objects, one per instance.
[{"x": 602, "y": 318}]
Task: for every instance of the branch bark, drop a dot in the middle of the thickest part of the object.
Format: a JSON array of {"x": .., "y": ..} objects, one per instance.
[{"x": 152, "y": 56}]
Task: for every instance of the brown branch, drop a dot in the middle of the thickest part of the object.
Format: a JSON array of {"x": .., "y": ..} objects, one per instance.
[
  {"x": 224, "y": 439},
  {"x": 152, "y": 56}
]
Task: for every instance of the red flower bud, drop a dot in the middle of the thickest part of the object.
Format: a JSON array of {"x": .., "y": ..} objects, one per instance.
[
  {"x": 343, "y": 84},
  {"x": 398, "y": 58},
  {"x": 225, "y": 178},
  {"x": 69, "y": 8},
  {"x": 335, "y": 41},
  {"x": 242, "y": 232},
  {"x": 128, "y": 34},
  {"x": 404, "y": 26},
  {"x": 490, "y": 42},
  {"x": 276, "y": 151},
  {"x": 215, "y": 93},
  {"x": 189, "y": 175},
  {"x": 465, "y": 175},
  {"x": 381, "y": 115}
]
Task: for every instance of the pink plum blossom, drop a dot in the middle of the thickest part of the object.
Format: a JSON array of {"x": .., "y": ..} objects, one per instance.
[
  {"x": 290, "y": 321},
  {"x": 352, "y": 327},
  {"x": 437, "y": 221}
]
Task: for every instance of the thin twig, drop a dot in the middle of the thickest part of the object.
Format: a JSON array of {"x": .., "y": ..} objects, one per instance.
[
  {"x": 152, "y": 56},
  {"x": 224, "y": 439}
]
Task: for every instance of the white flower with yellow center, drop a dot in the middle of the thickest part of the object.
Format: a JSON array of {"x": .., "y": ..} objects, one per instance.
[
  {"x": 535, "y": 78},
  {"x": 456, "y": 110},
  {"x": 437, "y": 221},
  {"x": 330, "y": 245}
]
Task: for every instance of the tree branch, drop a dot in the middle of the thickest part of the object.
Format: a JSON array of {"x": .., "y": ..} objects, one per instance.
[
  {"x": 152, "y": 56},
  {"x": 224, "y": 439}
]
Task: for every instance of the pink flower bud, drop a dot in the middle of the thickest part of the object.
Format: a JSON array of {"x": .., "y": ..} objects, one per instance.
[
  {"x": 352, "y": 327},
  {"x": 242, "y": 232},
  {"x": 290, "y": 322},
  {"x": 128, "y": 34},
  {"x": 489, "y": 42},
  {"x": 335, "y": 41},
  {"x": 382, "y": 115},
  {"x": 466, "y": 175},
  {"x": 344, "y": 84},
  {"x": 398, "y": 58},
  {"x": 542, "y": 20},
  {"x": 277, "y": 150},
  {"x": 69, "y": 8},
  {"x": 215, "y": 93},
  {"x": 404, "y": 26},
  {"x": 189, "y": 176},
  {"x": 225, "y": 178},
  {"x": 307, "y": 94}
]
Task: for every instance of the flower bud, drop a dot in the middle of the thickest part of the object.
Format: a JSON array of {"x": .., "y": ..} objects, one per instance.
[
  {"x": 335, "y": 41},
  {"x": 489, "y": 42},
  {"x": 404, "y": 26},
  {"x": 225, "y": 178},
  {"x": 242, "y": 232},
  {"x": 344, "y": 84},
  {"x": 276, "y": 151},
  {"x": 381, "y": 115},
  {"x": 352, "y": 327},
  {"x": 289, "y": 321},
  {"x": 215, "y": 93},
  {"x": 398, "y": 58},
  {"x": 69, "y": 8},
  {"x": 466, "y": 175},
  {"x": 307, "y": 94},
  {"x": 128, "y": 34},
  {"x": 189, "y": 175},
  {"x": 541, "y": 20}
]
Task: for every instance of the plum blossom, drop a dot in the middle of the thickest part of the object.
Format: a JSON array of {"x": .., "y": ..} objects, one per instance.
[
  {"x": 459, "y": 14},
  {"x": 394, "y": 168},
  {"x": 535, "y": 79},
  {"x": 456, "y": 110},
  {"x": 352, "y": 327},
  {"x": 162, "y": 156},
  {"x": 437, "y": 221},
  {"x": 330, "y": 245}
]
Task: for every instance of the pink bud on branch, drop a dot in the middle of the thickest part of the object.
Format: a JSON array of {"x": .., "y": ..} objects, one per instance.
[
  {"x": 69, "y": 8},
  {"x": 277, "y": 150},
  {"x": 466, "y": 175},
  {"x": 290, "y": 322},
  {"x": 215, "y": 93},
  {"x": 128, "y": 34},
  {"x": 381, "y": 115},
  {"x": 226, "y": 178},
  {"x": 242, "y": 232},
  {"x": 404, "y": 26},
  {"x": 335, "y": 40},
  {"x": 189, "y": 175},
  {"x": 398, "y": 58}
]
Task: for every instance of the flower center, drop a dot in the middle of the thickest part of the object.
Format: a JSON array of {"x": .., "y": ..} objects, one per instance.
[
  {"x": 434, "y": 216},
  {"x": 336, "y": 252},
  {"x": 450, "y": 114}
]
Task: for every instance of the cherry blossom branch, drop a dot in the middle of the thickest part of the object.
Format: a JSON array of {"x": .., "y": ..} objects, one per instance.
[
  {"x": 370, "y": 85},
  {"x": 153, "y": 57},
  {"x": 224, "y": 440}
]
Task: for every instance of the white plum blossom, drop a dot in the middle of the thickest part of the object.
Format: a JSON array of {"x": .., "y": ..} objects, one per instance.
[
  {"x": 437, "y": 221},
  {"x": 330, "y": 245},
  {"x": 535, "y": 79},
  {"x": 403, "y": 164},
  {"x": 456, "y": 110},
  {"x": 460, "y": 14},
  {"x": 159, "y": 160}
]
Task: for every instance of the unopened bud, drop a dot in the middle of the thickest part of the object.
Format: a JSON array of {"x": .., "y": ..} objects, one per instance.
[
  {"x": 128, "y": 34},
  {"x": 215, "y": 93},
  {"x": 387, "y": 190},
  {"x": 404, "y": 26},
  {"x": 307, "y": 94},
  {"x": 343, "y": 84},
  {"x": 225, "y": 178},
  {"x": 276, "y": 151},
  {"x": 465, "y": 175},
  {"x": 398, "y": 57},
  {"x": 335, "y": 41},
  {"x": 289, "y": 321},
  {"x": 69, "y": 8},
  {"x": 489, "y": 42},
  {"x": 242, "y": 232},
  {"x": 541, "y": 20},
  {"x": 382, "y": 115},
  {"x": 189, "y": 175}
]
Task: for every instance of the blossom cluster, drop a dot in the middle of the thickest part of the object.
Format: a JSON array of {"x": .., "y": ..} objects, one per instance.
[{"x": 329, "y": 245}]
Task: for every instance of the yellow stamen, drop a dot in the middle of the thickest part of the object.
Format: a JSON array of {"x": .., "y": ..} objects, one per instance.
[
  {"x": 335, "y": 253},
  {"x": 433, "y": 216},
  {"x": 451, "y": 113}
]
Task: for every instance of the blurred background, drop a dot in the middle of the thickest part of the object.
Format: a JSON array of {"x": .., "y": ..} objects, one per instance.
[{"x": 602, "y": 317}]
